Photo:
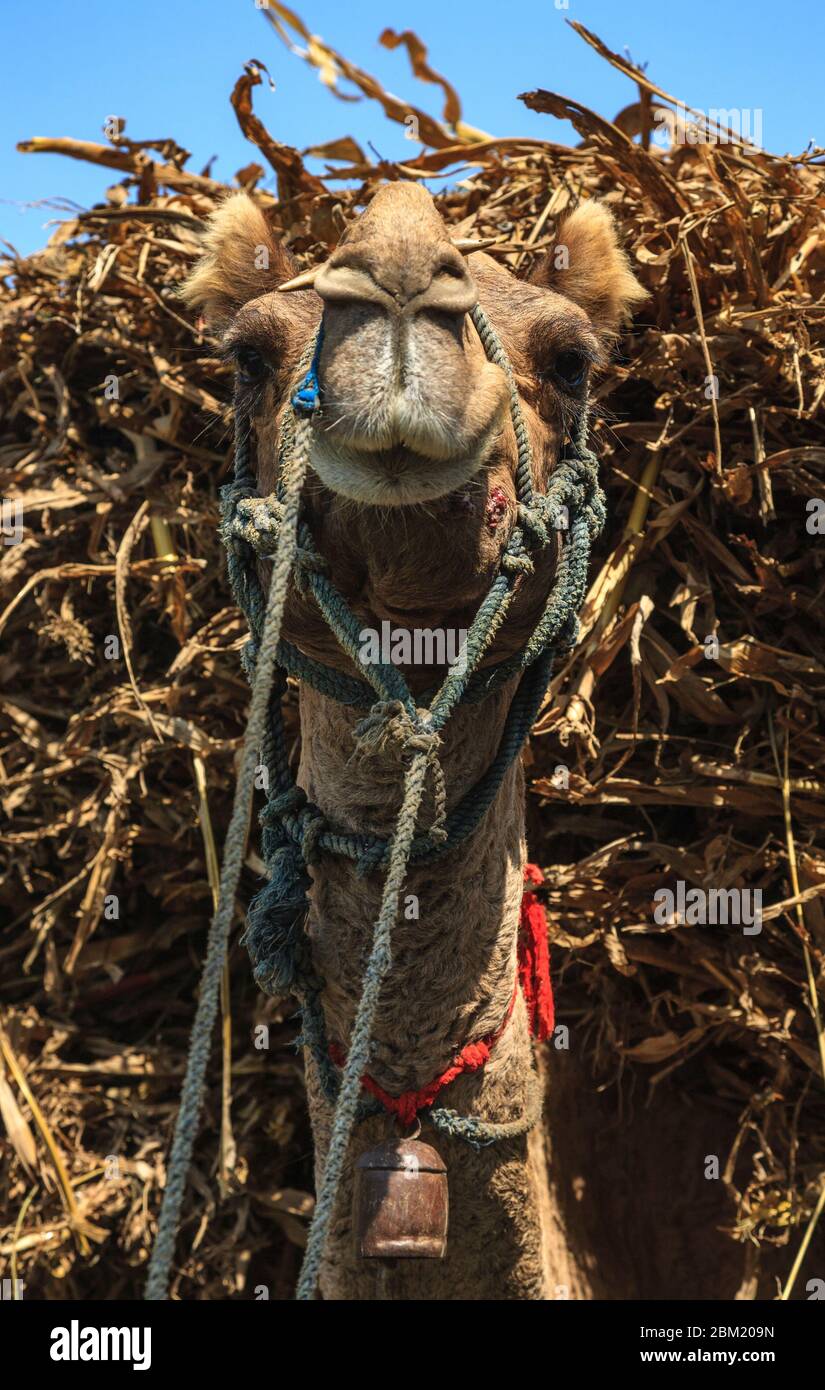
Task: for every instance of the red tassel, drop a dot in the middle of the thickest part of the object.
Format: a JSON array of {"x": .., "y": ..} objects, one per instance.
[{"x": 534, "y": 960}]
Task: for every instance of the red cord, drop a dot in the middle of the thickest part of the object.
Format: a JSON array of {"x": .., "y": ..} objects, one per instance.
[
  {"x": 534, "y": 960},
  {"x": 534, "y": 978}
]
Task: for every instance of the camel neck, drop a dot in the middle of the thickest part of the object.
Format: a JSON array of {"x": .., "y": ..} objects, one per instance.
[{"x": 454, "y": 944}]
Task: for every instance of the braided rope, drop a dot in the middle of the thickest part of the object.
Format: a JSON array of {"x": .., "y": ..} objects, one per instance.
[
  {"x": 199, "y": 1046},
  {"x": 479, "y": 1134},
  {"x": 358, "y": 1054},
  {"x": 494, "y": 349}
]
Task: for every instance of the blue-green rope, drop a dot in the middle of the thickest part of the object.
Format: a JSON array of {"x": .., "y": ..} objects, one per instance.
[
  {"x": 192, "y": 1091},
  {"x": 358, "y": 1053}
]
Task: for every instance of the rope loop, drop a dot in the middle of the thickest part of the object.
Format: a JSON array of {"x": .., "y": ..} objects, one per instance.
[
  {"x": 313, "y": 826},
  {"x": 285, "y": 899},
  {"x": 480, "y": 1134},
  {"x": 287, "y": 802},
  {"x": 390, "y": 724},
  {"x": 534, "y": 521},
  {"x": 494, "y": 349},
  {"x": 515, "y": 563},
  {"x": 390, "y": 727}
]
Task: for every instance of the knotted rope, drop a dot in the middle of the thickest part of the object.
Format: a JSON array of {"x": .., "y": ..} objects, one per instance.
[
  {"x": 295, "y": 833},
  {"x": 389, "y": 726}
]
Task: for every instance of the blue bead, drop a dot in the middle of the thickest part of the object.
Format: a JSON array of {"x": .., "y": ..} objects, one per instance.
[{"x": 307, "y": 397}]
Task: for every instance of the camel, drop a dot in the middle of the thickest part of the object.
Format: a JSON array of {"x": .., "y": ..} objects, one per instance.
[{"x": 411, "y": 499}]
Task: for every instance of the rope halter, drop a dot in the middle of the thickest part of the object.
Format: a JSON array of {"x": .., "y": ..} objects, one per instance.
[{"x": 296, "y": 833}]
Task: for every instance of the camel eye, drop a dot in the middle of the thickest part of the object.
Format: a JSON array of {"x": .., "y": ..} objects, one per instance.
[
  {"x": 571, "y": 368},
  {"x": 251, "y": 365}
]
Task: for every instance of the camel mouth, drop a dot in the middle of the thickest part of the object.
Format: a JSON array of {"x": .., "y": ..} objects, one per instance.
[{"x": 395, "y": 475}]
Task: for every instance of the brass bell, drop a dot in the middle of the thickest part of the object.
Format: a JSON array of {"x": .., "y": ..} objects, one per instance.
[{"x": 400, "y": 1204}]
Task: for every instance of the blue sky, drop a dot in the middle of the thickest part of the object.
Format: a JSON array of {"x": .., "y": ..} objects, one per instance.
[{"x": 168, "y": 67}]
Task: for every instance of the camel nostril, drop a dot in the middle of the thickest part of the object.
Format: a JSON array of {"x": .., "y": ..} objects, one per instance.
[
  {"x": 451, "y": 290},
  {"x": 452, "y": 272}
]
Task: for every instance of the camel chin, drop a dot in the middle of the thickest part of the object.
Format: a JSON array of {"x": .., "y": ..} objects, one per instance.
[{"x": 397, "y": 477}]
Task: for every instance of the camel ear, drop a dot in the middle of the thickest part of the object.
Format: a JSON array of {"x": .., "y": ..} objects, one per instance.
[
  {"x": 240, "y": 259},
  {"x": 589, "y": 266}
]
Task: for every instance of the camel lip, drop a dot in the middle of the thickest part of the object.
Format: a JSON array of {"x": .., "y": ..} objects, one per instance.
[
  {"x": 399, "y": 457},
  {"x": 395, "y": 475}
]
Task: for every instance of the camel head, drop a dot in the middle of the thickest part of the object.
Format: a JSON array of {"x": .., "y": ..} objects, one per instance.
[{"x": 415, "y": 424}]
